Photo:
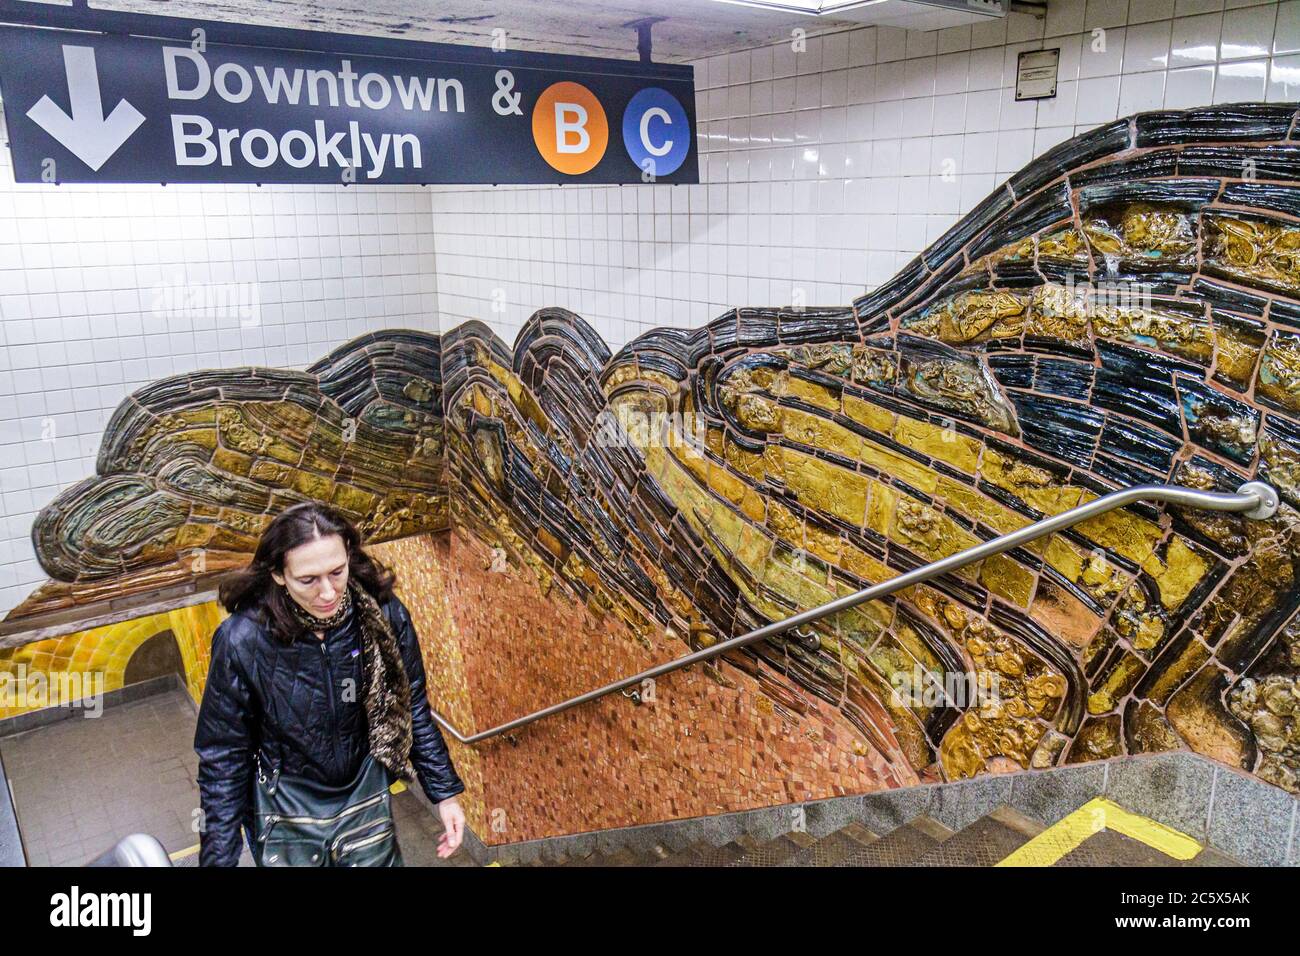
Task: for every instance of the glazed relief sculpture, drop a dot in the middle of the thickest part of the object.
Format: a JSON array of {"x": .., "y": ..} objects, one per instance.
[
  {"x": 1125, "y": 310},
  {"x": 193, "y": 467}
]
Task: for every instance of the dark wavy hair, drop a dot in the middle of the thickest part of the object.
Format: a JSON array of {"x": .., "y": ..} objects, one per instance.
[{"x": 254, "y": 590}]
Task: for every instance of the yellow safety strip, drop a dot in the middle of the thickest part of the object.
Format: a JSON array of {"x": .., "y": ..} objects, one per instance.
[
  {"x": 1094, "y": 816},
  {"x": 182, "y": 854}
]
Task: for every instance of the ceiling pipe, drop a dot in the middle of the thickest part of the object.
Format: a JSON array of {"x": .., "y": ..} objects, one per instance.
[{"x": 643, "y": 41}]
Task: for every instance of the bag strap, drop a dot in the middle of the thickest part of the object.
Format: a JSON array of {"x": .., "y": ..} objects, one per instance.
[{"x": 262, "y": 778}]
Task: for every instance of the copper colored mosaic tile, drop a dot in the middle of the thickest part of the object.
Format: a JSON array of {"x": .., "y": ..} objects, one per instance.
[{"x": 700, "y": 747}]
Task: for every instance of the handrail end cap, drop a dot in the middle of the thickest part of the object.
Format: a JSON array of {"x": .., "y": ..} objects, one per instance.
[{"x": 1268, "y": 499}]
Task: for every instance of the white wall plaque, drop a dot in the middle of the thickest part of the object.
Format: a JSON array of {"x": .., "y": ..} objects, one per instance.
[{"x": 1036, "y": 74}]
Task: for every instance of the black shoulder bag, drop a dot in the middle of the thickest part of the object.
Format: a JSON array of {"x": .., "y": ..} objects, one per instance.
[{"x": 299, "y": 822}]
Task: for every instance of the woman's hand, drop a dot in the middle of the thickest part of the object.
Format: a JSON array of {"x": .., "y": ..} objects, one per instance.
[{"x": 453, "y": 826}]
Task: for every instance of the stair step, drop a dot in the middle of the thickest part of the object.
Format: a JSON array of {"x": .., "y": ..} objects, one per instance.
[
  {"x": 900, "y": 846},
  {"x": 1212, "y": 857},
  {"x": 620, "y": 857},
  {"x": 921, "y": 842},
  {"x": 725, "y": 854},
  {"x": 591, "y": 859},
  {"x": 1111, "y": 848},
  {"x": 656, "y": 855},
  {"x": 623, "y": 857},
  {"x": 777, "y": 850},
  {"x": 686, "y": 856},
  {"x": 985, "y": 842},
  {"x": 834, "y": 847}
]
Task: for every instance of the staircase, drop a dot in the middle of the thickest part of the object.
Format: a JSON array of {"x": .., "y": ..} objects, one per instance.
[{"x": 1099, "y": 833}]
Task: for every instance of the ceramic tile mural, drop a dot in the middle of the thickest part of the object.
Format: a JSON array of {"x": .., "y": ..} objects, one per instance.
[
  {"x": 193, "y": 467},
  {"x": 1124, "y": 310}
]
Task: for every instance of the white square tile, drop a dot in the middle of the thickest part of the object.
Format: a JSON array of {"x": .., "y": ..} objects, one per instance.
[
  {"x": 983, "y": 109},
  {"x": 918, "y": 117},
  {"x": 1103, "y": 53},
  {"x": 862, "y": 84},
  {"x": 1098, "y": 100},
  {"x": 783, "y": 95},
  {"x": 1146, "y": 46},
  {"x": 1247, "y": 33},
  {"x": 889, "y": 80},
  {"x": 950, "y": 114},
  {"x": 979, "y": 151},
  {"x": 1016, "y": 114},
  {"x": 1071, "y": 48},
  {"x": 1286, "y": 35},
  {"x": 921, "y": 43},
  {"x": 1241, "y": 81},
  {"x": 1045, "y": 137},
  {"x": 1141, "y": 93},
  {"x": 914, "y": 154},
  {"x": 1064, "y": 17},
  {"x": 783, "y": 60},
  {"x": 953, "y": 39},
  {"x": 951, "y": 73},
  {"x": 1189, "y": 87},
  {"x": 988, "y": 33},
  {"x": 835, "y": 51},
  {"x": 1283, "y": 80},
  {"x": 918, "y": 77},
  {"x": 986, "y": 69},
  {"x": 1146, "y": 11},
  {"x": 835, "y": 88},
  {"x": 1106, "y": 13},
  {"x": 1015, "y": 150},
  {"x": 1024, "y": 26},
  {"x": 862, "y": 47},
  {"x": 738, "y": 67},
  {"x": 1195, "y": 40},
  {"x": 1059, "y": 109},
  {"x": 891, "y": 44}
]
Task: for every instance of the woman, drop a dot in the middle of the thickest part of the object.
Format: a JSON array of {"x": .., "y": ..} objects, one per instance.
[{"x": 316, "y": 676}]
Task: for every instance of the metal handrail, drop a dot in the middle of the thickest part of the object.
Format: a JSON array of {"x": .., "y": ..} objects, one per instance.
[{"x": 1254, "y": 499}]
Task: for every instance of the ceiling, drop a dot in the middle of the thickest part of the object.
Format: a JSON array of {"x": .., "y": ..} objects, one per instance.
[{"x": 691, "y": 29}]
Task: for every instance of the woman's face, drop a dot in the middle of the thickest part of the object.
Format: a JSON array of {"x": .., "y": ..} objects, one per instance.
[{"x": 316, "y": 574}]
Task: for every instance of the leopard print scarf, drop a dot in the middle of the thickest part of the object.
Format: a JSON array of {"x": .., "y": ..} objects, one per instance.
[{"x": 388, "y": 690}]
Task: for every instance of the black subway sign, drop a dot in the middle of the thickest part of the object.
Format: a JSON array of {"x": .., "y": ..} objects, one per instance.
[{"x": 89, "y": 107}]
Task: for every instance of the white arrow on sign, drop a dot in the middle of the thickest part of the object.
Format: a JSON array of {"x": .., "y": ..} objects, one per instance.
[{"x": 90, "y": 136}]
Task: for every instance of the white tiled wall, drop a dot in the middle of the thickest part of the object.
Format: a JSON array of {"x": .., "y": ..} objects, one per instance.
[
  {"x": 824, "y": 171},
  {"x": 105, "y": 289}
]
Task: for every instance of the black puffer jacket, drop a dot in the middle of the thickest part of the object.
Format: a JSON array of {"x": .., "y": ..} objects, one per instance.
[{"x": 304, "y": 704}]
